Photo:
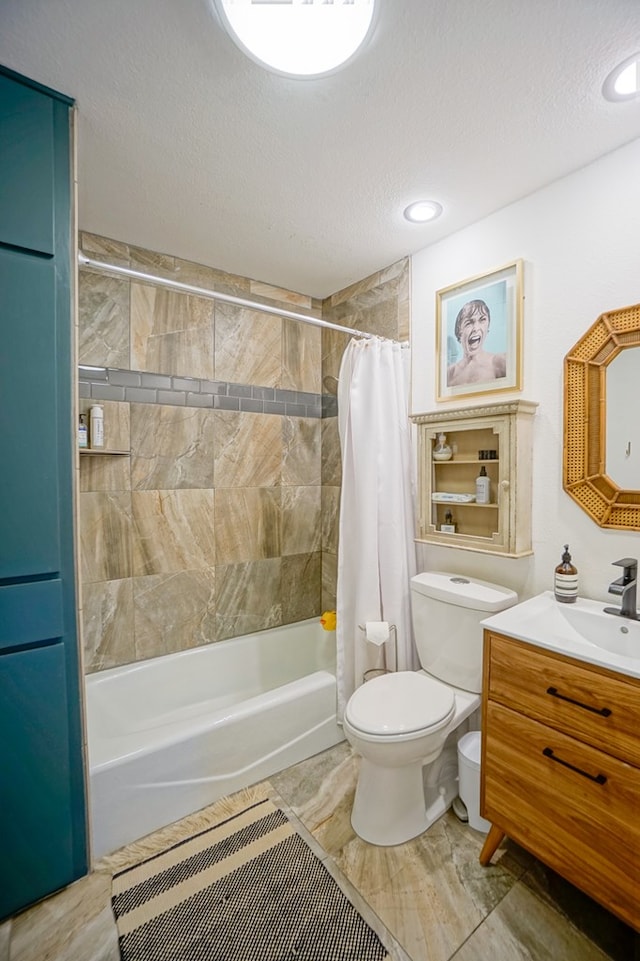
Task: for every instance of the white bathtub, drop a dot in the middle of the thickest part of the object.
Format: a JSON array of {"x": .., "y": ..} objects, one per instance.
[{"x": 172, "y": 734}]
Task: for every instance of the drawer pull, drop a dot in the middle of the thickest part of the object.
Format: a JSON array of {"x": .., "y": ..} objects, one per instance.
[
  {"x": 598, "y": 778},
  {"x": 603, "y": 711}
]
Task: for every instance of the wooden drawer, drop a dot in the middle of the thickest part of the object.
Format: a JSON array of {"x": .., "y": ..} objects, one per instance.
[
  {"x": 590, "y": 703},
  {"x": 583, "y": 825}
]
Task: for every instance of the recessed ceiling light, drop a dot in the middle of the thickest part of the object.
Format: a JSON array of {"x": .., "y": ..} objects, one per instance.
[
  {"x": 623, "y": 83},
  {"x": 422, "y": 211},
  {"x": 298, "y": 38}
]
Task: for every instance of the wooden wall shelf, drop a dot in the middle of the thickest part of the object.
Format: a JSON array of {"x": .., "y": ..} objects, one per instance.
[{"x": 503, "y": 526}]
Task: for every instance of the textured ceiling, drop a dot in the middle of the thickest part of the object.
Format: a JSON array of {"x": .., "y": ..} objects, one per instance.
[{"x": 186, "y": 146}]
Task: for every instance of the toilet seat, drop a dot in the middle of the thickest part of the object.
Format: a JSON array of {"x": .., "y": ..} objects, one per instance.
[{"x": 400, "y": 703}]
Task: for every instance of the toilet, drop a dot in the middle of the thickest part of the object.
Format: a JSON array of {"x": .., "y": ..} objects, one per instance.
[{"x": 406, "y": 725}]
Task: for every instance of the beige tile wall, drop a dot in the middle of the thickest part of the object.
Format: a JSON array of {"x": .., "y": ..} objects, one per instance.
[
  {"x": 220, "y": 522},
  {"x": 380, "y": 305}
]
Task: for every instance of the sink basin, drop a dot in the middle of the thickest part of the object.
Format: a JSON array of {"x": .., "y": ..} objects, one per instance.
[
  {"x": 581, "y": 630},
  {"x": 619, "y": 635}
]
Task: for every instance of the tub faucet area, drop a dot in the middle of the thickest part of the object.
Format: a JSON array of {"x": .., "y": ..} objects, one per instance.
[{"x": 626, "y": 588}]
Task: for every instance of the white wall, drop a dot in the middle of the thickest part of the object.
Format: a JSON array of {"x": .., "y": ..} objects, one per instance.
[{"x": 579, "y": 239}]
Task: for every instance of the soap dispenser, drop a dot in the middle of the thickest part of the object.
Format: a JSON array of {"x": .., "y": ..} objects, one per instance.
[{"x": 566, "y": 579}]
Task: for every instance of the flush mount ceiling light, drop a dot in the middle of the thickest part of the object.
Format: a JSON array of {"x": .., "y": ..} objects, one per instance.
[
  {"x": 298, "y": 38},
  {"x": 422, "y": 211},
  {"x": 623, "y": 83}
]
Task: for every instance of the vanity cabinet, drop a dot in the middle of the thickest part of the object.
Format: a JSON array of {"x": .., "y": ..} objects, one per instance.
[
  {"x": 561, "y": 768},
  {"x": 497, "y": 437}
]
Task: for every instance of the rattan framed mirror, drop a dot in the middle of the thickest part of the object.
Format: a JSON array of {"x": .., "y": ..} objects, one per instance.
[{"x": 585, "y": 477}]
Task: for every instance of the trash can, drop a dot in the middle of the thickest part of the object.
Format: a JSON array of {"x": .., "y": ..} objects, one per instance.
[{"x": 469, "y": 778}]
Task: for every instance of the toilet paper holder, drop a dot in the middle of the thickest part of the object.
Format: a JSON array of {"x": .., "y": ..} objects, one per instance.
[{"x": 379, "y": 671}]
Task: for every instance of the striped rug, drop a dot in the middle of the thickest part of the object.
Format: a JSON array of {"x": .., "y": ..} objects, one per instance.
[{"x": 248, "y": 889}]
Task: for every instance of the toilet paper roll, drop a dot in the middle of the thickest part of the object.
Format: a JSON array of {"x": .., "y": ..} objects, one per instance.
[{"x": 377, "y": 632}]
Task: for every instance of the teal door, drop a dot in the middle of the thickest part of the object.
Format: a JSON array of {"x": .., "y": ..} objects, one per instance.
[{"x": 42, "y": 793}]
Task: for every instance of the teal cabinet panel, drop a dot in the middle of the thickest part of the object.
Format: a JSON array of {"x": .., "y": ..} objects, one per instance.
[
  {"x": 31, "y": 612},
  {"x": 43, "y": 844},
  {"x": 36, "y": 804},
  {"x": 26, "y": 162},
  {"x": 29, "y": 480}
]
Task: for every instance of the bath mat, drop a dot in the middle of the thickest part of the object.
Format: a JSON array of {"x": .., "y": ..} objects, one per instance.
[{"x": 248, "y": 889}]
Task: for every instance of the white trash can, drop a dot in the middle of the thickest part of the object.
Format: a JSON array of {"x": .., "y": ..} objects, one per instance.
[{"x": 469, "y": 779}]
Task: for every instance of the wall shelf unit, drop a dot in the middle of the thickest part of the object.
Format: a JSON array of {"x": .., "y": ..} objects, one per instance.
[
  {"x": 86, "y": 451},
  {"x": 501, "y": 526}
]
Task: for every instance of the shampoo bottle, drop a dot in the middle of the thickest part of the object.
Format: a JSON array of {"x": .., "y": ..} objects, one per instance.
[
  {"x": 482, "y": 487},
  {"x": 96, "y": 425},
  {"x": 566, "y": 579}
]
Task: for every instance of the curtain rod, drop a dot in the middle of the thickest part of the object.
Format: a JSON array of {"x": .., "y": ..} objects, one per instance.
[{"x": 85, "y": 261}]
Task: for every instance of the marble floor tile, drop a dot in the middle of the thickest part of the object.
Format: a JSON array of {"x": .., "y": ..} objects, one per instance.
[
  {"x": 75, "y": 924},
  {"x": 615, "y": 937},
  {"x": 320, "y": 792},
  {"x": 5, "y": 940},
  {"x": 524, "y": 928},
  {"x": 430, "y": 892}
]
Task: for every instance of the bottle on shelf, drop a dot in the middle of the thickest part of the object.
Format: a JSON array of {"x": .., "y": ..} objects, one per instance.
[
  {"x": 96, "y": 426},
  {"x": 482, "y": 487},
  {"x": 565, "y": 585},
  {"x": 83, "y": 440}
]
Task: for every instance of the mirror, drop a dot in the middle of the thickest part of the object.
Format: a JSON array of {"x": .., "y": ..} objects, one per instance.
[
  {"x": 601, "y": 461},
  {"x": 622, "y": 461}
]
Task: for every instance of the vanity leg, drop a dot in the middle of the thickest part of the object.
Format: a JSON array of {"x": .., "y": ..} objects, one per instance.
[{"x": 494, "y": 839}]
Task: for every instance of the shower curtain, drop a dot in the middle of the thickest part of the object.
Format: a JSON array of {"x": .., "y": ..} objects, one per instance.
[{"x": 376, "y": 549}]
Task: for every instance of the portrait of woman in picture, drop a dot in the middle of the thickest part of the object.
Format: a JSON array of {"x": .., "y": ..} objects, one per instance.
[
  {"x": 476, "y": 365},
  {"x": 479, "y": 334}
]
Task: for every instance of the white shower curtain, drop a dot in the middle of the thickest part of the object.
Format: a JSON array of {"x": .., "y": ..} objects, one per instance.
[{"x": 376, "y": 549}]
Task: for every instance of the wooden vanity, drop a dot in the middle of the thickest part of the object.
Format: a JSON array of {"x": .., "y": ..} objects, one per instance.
[{"x": 561, "y": 767}]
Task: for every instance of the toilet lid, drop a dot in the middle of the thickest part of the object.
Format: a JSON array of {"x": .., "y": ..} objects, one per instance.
[{"x": 400, "y": 703}]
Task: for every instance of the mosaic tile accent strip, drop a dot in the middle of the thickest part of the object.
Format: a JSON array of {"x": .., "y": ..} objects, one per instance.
[{"x": 140, "y": 387}]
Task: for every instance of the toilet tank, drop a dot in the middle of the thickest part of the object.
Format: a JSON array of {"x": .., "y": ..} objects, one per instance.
[{"x": 446, "y": 610}]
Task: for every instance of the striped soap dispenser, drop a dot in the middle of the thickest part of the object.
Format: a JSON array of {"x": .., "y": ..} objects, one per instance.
[{"x": 566, "y": 579}]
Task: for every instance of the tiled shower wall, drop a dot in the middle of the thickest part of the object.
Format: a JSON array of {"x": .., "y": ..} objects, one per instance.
[
  {"x": 379, "y": 305},
  {"x": 221, "y": 518}
]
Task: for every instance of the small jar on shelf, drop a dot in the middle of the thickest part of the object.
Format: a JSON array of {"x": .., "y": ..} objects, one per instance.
[
  {"x": 449, "y": 526},
  {"x": 441, "y": 450}
]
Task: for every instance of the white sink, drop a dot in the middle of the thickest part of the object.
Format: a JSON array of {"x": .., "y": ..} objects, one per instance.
[
  {"x": 619, "y": 635},
  {"x": 580, "y": 630}
]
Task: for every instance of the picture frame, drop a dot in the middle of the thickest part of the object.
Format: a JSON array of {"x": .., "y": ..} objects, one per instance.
[{"x": 479, "y": 334}]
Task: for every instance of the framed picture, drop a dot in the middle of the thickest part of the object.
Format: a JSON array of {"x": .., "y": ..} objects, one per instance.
[{"x": 479, "y": 334}]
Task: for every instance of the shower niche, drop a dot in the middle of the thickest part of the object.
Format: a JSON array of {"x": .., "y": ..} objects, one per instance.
[{"x": 494, "y": 441}]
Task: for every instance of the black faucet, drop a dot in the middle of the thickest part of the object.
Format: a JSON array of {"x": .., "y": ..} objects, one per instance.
[{"x": 625, "y": 587}]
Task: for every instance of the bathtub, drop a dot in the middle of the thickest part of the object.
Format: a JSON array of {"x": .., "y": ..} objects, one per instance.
[{"x": 172, "y": 734}]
